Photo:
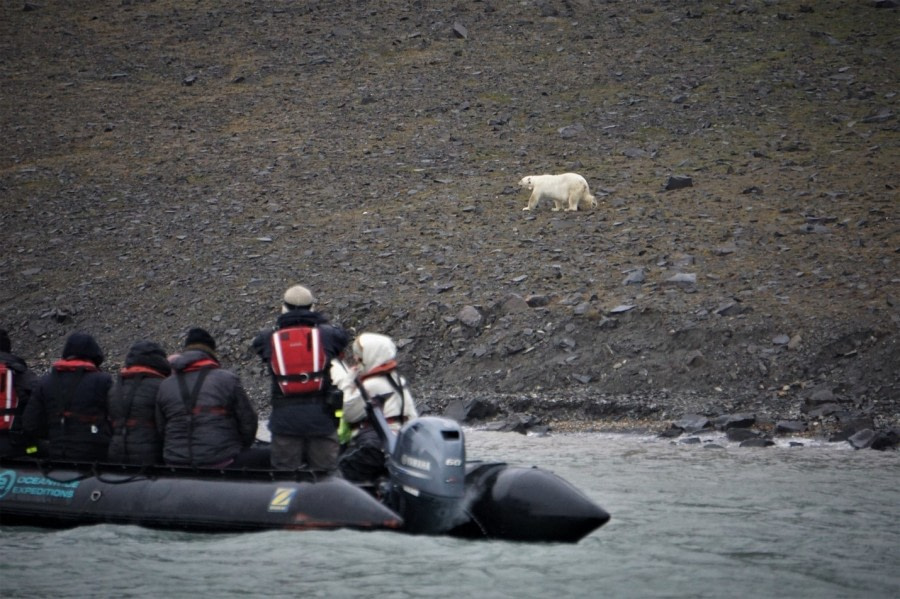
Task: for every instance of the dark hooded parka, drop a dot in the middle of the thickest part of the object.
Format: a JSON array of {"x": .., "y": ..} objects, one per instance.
[
  {"x": 67, "y": 412},
  {"x": 132, "y": 406}
]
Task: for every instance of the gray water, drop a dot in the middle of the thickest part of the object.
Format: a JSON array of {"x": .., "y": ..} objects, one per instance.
[{"x": 687, "y": 521}]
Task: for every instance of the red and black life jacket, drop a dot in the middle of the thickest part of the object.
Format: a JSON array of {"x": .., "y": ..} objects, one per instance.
[
  {"x": 299, "y": 362},
  {"x": 9, "y": 399}
]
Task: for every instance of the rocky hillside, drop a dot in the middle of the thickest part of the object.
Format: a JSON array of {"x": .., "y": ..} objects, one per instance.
[{"x": 172, "y": 164}]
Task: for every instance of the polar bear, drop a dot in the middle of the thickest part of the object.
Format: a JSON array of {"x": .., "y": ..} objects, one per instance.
[{"x": 570, "y": 188}]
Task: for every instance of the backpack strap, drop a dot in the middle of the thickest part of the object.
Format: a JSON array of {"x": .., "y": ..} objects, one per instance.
[
  {"x": 398, "y": 387},
  {"x": 129, "y": 402},
  {"x": 190, "y": 400}
]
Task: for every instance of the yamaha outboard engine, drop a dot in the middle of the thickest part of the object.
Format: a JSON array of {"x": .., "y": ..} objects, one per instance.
[{"x": 428, "y": 472}]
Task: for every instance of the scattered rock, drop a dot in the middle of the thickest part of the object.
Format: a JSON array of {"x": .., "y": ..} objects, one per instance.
[
  {"x": 758, "y": 442},
  {"x": 635, "y": 277},
  {"x": 692, "y": 423},
  {"x": 682, "y": 280},
  {"x": 731, "y": 308},
  {"x": 729, "y": 421},
  {"x": 739, "y": 435},
  {"x": 861, "y": 439},
  {"x": 678, "y": 182},
  {"x": 789, "y": 427},
  {"x": 470, "y": 317}
]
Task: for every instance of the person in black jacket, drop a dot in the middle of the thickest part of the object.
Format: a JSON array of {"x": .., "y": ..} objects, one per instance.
[
  {"x": 13, "y": 399},
  {"x": 304, "y": 427},
  {"x": 203, "y": 411},
  {"x": 132, "y": 406},
  {"x": 67, "y": 412}
]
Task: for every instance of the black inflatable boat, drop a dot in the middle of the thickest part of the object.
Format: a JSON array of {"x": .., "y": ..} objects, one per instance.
[{"x": 432, "y": 490}]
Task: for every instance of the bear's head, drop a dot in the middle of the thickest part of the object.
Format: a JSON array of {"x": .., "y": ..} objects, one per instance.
[{"x": 527, "y": 183}]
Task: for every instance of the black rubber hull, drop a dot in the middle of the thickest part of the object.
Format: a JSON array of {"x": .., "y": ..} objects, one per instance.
[
  {"x": 184, "y": 500},
  {"x": 500, "y": 502},
  {"x": 504, "y": 502},
  {"x": 526, "y": 504}
]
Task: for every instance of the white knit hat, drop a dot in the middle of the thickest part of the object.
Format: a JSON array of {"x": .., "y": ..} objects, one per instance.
[{"x": 298, "y": 296}]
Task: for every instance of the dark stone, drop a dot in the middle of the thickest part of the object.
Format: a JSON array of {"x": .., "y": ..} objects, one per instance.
[
  {"x": 885, "y": 440},
  {"x": 862, "y": 439},
  {"x": 537, "y": 301},
  {"x": 671, "y": 432},
  {"x": 739, "y": 435},
  {"x": 473, "y": 409},
  {"x": 730, "y": 309},
  {"x": 514, "y": 424},
  {"x": 728, "y": 421},
  {"x": 693, "y": 422},
  {"x": 758, "y": 442},
  {"x": 678, "y": 182},
  {"x": 788, "y": 427},
  {"x": 851, "y": 425}
]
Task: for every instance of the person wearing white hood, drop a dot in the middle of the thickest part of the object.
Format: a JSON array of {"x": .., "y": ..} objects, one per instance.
[{"x": 363, "y": 461}]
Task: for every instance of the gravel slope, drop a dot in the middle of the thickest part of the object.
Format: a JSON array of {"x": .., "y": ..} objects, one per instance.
[{"x": 169, "y": 165}]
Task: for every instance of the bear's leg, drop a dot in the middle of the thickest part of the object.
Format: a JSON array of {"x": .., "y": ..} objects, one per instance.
[
  {"x": 557, "y": 204},
  {"x": 573, "y": 200},
  {"x": 532, "y": 201}
]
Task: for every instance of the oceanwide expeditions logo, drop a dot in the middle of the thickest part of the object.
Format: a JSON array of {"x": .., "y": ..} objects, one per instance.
[
  {"x": 7, "y": 480},
  {"x": 35, "y": 489}
]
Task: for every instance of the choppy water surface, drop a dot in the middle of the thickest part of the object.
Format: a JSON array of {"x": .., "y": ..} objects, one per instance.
[{"x": 687, "y": 521}]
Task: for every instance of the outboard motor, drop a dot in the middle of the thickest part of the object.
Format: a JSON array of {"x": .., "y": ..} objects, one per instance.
[{"x": 428, "y": 475}]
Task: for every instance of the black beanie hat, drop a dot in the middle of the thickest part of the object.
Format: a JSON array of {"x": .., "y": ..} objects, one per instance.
[
  {"x": 82, "y": 345},
  {"x": 148, "y": 353},
  {"x": 198, "y": 336}
]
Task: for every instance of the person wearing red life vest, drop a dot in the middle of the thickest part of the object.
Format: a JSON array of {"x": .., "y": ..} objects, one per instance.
[
  {"x": 304, "y": 400},
  {"x": 132, "y": 406},
  {"x": 364, "y": 460},
  {"x": 67, "y": 411},
  {"x": 203, "y": 412},
  {"x": 16, "y": 384}
]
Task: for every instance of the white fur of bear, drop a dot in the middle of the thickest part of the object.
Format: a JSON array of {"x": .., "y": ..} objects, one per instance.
[{"x": 568, "y": 189}]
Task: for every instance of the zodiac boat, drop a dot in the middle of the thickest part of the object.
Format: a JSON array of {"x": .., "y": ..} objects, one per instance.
[{"x": 432, "y": 489}]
